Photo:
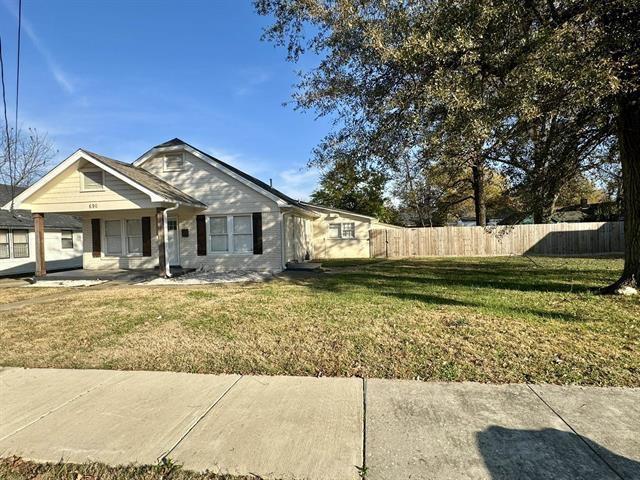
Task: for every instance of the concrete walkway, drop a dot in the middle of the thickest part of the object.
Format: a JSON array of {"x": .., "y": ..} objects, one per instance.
[{"x": 321, "y": 428}]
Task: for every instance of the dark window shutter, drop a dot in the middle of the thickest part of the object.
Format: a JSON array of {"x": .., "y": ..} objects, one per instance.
[
  {"x": 201, "y": 235},
  {"x": 95, "y": 236},
  {"x": 257, "y": 233},
  {"x": 146, "y": 236}
]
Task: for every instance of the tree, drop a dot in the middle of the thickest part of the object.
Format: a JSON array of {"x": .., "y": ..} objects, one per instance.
[
  {"x": 24, "y": 162},
  {"x": 396, "y": 77},
  {"x": 543, "y": 155},
  {"x": 356, "y": 187},
  {"x": 406, "y": 75}
]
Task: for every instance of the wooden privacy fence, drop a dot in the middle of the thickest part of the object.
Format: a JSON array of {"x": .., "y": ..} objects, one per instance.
[{"x": 545, "y": 239}]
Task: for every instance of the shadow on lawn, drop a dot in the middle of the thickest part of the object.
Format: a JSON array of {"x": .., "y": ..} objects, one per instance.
[{"x": 421, "y": 283}]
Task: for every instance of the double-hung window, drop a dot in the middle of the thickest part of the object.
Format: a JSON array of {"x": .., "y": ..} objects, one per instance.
[
  {"x": 66, "y": 238},
  {"x": 20, "y": 243},
  {"x": 231, "y": 233},
  {"x": 113, "y": 237},
  {"x": 134, "y": 237},
  {"x": 242, "y": 235},
  {"x": 4, "y": 243},
  {"x": 218, "y": 234}
]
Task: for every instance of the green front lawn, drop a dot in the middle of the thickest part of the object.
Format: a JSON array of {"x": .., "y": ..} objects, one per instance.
[{"x": 507, "y": 319}]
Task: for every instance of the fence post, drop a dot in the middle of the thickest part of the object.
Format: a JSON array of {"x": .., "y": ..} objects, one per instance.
[{"x": 386, "y": 243}]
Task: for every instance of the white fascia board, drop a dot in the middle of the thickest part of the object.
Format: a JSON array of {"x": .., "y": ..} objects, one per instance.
[
  {"x": 62, "y": 166},
  {"x": 280, "y": 202},
  {"x": 340, "y": 211},
  {"x": 301, "y": 212}
]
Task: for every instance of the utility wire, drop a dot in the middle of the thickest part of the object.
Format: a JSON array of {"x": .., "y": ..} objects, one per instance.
[
  {"x": 7, "y": 151},
  {"x": 18, "y": 74}
]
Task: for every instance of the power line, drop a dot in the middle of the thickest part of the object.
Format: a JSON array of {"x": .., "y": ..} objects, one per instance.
[
  {"x": 18, "y": 74},
  {"x": 6, "y": 123}
]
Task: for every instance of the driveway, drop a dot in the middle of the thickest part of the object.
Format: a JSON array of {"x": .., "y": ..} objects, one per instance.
[{"x": 321, "y": 428}]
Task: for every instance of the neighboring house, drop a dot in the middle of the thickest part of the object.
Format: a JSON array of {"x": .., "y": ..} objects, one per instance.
[
  {"x": 582, "y": 212},
  {"x": 62, "y": 239},
  {"x": 177, "y": 205}
]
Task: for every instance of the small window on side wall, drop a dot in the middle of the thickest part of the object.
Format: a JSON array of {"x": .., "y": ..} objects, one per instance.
[
  {"x": 92, "y": 181},
  {"x": 173, "y": 163},
  {"x": 67, "y": 238},
  {"x": 348, "y": 230}
]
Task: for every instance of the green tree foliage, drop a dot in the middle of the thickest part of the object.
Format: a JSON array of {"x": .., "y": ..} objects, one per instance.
[
  {"x": 467, "y": 79},
  {"x": 358, "y": 188}
]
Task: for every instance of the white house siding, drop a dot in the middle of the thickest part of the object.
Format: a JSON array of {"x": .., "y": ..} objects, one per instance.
[
  {"x": 223, "y": 195},
  {"x": 64, "y": 194},
  {"x": 299, "y": 238},
  {"x": 105, "y": 261},
  {"x": 325, "y": 247},
  {"x": 56, "y": 257}
]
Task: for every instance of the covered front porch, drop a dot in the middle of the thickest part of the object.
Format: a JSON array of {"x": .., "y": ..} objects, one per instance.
[{"x": 131, "y": 218}]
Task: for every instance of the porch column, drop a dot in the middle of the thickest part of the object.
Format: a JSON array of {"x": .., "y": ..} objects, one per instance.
[
  {"x": 38, "y": 228},
  {"x": 161, "y": 236}
]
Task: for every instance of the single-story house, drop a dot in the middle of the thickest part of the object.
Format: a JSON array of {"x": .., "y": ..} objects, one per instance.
[
  {"x": 62, "y": 239},
  {"x": 178, "y": 205}
]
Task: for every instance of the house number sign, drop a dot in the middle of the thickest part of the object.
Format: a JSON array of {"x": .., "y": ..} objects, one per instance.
[{"x": 93, "y": 205}]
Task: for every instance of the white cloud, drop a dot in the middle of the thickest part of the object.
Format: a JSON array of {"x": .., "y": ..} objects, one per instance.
[
  {"x": 298, "y": 183},
  {"x": 249, "y": 85},
  {"x": 60, "y": 76}
]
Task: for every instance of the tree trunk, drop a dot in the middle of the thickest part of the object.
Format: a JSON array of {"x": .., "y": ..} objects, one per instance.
[
  {"x": 543, "y": 208},
  {"x": 629, "y": 140},
  {"x": 479, "y": 200}
]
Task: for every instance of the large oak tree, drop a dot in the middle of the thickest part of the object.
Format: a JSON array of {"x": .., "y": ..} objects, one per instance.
[{"x": 405, "y": 77}]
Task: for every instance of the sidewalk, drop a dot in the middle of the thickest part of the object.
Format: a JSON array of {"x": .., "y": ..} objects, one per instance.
[{"x": 320, "y": 428}]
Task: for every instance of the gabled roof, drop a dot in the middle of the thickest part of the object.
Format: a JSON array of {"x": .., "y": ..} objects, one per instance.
[
  {"x": 266, "y": 188},
  {"x": 23, "y": 219},
  {"x": 148, "y": 180},
  {"x": 157, "y": 189}
]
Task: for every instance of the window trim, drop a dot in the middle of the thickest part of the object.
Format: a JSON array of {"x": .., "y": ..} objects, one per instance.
[
  {"x": 7, "y": 243},
  {"x": 124, "y": 237},
  {"x": 230, "y": 235},
  {"x": 83, "y": 186},
  {"x": 341, "y": 235},
  {"x": 63, "y": 238},
  {"x": 13, "y": 243},
  {"x": 164, "y": 163}
]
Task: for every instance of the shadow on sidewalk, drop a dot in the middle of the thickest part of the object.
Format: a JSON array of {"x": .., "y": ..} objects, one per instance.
[{"x": 549, "y": 454}]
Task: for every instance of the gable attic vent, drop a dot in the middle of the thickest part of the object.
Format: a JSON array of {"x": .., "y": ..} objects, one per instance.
[{"x": 173, "y": 163}]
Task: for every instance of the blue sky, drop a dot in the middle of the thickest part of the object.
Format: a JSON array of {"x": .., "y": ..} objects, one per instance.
[{"x": 118, "y": 77}]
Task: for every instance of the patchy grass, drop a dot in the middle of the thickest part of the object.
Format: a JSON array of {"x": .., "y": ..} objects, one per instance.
[
  {"x": 17, "y": 469},
  {"x": 17, "y": 294},
  {"x": 489, "y": 320}
]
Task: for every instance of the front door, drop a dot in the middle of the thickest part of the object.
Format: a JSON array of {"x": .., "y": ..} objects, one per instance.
[{"x": 173, "y": 245}]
